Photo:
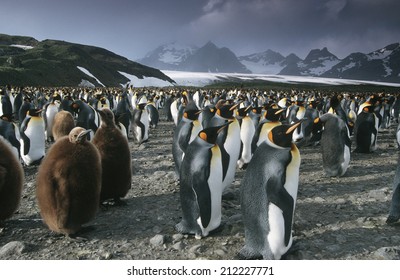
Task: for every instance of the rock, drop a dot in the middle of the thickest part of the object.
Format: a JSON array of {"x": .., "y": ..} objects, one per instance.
[
  {"x": 177, "y": 237},
  {"x": 179, "y": 246},
  {"x": 387, "y": 253},
  {"x": 157, "y": 240},
  {"x": 12, "y": 248},
  {"x": 220, "y": 252}
]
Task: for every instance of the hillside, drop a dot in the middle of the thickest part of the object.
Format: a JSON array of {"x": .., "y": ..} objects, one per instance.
[{"x": 26, "y": 61}]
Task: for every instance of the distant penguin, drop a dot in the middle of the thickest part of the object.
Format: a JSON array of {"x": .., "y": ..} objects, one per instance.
[
  {"x": 88, "y": 117},
  {"x": 140, "y": 124},
  {"x": 366, "y": 130},
  {"x": 207, "y": 113},
  {"x": 201, "y": 185},
  {"x": 247, "y": 130},
  {"x": 11, "y": 181},
  {"x": 32, "y": 137},
  {"x": 5, "y": 104},
  {"x": 268, "y": 196},
  {"x": 10, "y": 132},
  {"x": 185, "y": 132},
  {"x": 63, "y": 124},
  {"x": 115, "y": 158},
  {"x": 153, "y": 114},
  {"x": 123, "y": 114},
  {"x": 68, "y": 183},
  {"x": 394, "y": 214},
  {"x": 335, "y": 144},
  {"x": 49, "y": 112},
  {"x": 24, "y": 108}
]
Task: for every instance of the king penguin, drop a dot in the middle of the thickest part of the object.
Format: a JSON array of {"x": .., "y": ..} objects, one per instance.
[
  {"x": 185, "y": 132},
  {"x": 10, "y": 132},
  {"x": 88, "y": 117},
  {"x": 366, "y": 130},
  {"x": 49, "y": 112},
  {"x": 68, "y": 183},
  {"x": 32, "y": 137},
  {"x": 247, "y": 130},
  {"x": 115, "y": 159},
  {"x": 201, "y": 184},
  {"x": 140, "y": 123},
  {"x": 228, "y": 140},
  {"x": 335, "y": 144},
  {"x": 394, "y": 214},
  {"x": 268, "y": 195},
  {"x": 11, "y": 180}
]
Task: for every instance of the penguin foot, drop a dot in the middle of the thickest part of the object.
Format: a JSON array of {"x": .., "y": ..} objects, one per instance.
[
  {"x": 392, "y": 219},
  {"x": 247, "y": 254},
  {"x": 83, "y": 230},
  {"x": 119, "y": 202}
]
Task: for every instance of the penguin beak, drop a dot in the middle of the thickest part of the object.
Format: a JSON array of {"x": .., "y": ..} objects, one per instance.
[
  {"x": 82, "y": 135},
  {"x": 294, "y": 126},
  {"x": 278, "y": 112},
  {"x": 236, "y": 105}
]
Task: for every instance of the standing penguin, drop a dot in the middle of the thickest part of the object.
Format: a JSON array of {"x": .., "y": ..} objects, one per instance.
[
  {"x": 68, "y": 183},
  {"x": 10, "y": 132},
  {"x": 185, "y": 132},
  {"x": 247, "y": 130},
  {"x": 11, "y": 180},
  {"x": 123, "y": 114},
  {"x": 5, "y": 104},
  {"x": 394, "y": 214},
  {"x": 228, "y": 140},
  {"x": 88, "y": 117},
  {"x": 115, "y": 158},
  {"x": 32, "y": 137},
  {"x": 268, "y": 195},
  {"x": 140, "y": 124},
  {"x": 49, "y": 112},
  {"x": 335, "y": 144},
  {"x": 63, "y": 124},
  {"x": 201, "y": 185},
  {"x": 153, "y": 114},
  {"x": 366, "y": 130}
]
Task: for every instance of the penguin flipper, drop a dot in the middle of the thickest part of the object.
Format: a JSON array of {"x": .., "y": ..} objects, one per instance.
[
  {"x": 203, "y": 196},
  {"x": 279, "y": 196},
  {"x": 225, "y": 161}
]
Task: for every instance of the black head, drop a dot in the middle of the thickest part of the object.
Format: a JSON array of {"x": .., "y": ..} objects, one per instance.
[
  {"x": 273, "y": 114},
  {"x": 34, "y": 112},
  {"x": 191, "y": 111},
  {"x": 281, "y": 135},
  {"x": 210, "y": 134}
]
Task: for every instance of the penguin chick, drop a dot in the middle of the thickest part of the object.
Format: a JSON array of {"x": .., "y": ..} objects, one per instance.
[
  {"x": 11, "y": 180},
  {"x": 115, "y": 158},
  {"x": 268, "y": 195},
  {"x": 68, "y": 183},
  {"x": 63, "y": 124}
]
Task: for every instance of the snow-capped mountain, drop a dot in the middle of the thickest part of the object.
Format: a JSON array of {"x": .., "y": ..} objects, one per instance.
[
  {"x": 168, "y": 56},
  {"x": 380, "y": 65},
  {"x": 268, "y": 62},
  {"x": 317, "y": 62},
  {"x": 208, "y": 58}
]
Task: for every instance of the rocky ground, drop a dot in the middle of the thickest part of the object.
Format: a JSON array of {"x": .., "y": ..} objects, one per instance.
[{"x": 335, "y": 218}]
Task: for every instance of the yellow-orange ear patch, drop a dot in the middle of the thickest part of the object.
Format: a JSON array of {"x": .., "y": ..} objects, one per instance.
[
  {"x": 316, "y": 120},
  {"x": 203, "y": 136},
  {"x": 185, "y": 115}
]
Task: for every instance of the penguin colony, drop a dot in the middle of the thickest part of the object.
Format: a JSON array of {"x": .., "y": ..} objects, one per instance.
[{"x": 216, "y": 133}]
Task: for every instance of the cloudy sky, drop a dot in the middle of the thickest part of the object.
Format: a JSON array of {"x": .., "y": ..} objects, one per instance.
[{"x": 132, "y": 28}]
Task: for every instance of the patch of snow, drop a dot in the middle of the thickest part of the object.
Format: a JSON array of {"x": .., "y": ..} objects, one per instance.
[
  {"x": 22, "y": 47},
  {"x": 84, "y": 70},
  {"x": 146, "y": 81},
  {"x": 326, "y": 66},
  {"x": 262, "y": 68},
  {"x": 381, "y": 54},
  {"x": 348, "y": 66},
  {"x": 86, "y": 83},
  {"x": 388, "y": 70}
]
